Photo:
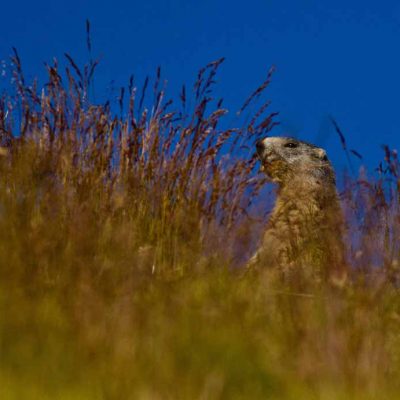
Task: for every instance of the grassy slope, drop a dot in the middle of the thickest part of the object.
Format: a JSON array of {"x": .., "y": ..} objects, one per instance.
[{"x": 115, "y": 282}]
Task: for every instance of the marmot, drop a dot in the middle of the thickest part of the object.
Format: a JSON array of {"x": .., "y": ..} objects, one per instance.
[{"x": 306, "y": 225}]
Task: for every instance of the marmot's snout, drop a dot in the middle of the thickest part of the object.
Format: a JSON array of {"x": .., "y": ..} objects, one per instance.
[
  {"x": 259, "y": 146},
  {"x": 264, "y": 149}
]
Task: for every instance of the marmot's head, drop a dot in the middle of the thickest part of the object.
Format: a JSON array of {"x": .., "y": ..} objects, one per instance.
[{"x": 283, "y": 158}]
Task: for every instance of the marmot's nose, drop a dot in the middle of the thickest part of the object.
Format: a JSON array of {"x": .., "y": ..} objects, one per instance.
[{"x": 260, "y": 145}]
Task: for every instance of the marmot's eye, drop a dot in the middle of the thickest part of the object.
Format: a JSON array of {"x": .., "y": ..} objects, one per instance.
[{"x": 291, "y": 145}]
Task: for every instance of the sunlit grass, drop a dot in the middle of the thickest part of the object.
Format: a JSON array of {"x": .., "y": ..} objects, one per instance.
[{"x": 121, "y": 240}]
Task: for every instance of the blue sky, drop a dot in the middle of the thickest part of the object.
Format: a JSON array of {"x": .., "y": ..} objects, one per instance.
[{"x": 338, "y": 58}]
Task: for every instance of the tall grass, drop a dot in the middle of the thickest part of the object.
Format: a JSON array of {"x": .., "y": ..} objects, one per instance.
[{"x": 120, "y": 237}]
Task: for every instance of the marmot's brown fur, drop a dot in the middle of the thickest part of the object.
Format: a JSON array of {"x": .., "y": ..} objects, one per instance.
[{"x": 306, "y": 225}]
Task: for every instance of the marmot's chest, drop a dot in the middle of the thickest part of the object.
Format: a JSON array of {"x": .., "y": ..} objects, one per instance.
[
  {"x": 299, "y": 231},
  {"x": 299, "y": 219}
]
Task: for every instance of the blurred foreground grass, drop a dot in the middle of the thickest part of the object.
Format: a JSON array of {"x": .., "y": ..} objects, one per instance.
[
  {"x": 211, "y": 336},
  {"x": 119, "y": 246}
]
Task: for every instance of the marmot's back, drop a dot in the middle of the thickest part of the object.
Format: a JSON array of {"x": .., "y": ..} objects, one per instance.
[{"x": 306, "y": 223}]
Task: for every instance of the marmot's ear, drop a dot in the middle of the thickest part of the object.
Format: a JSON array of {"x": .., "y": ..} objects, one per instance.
[{"x": 321, "y": 154}]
